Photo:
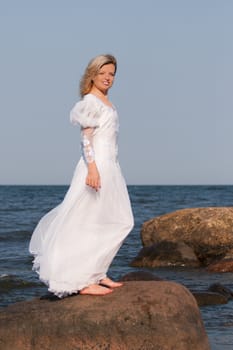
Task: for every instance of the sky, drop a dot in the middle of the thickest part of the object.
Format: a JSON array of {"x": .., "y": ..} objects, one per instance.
[{"x": 173, "y": 88}]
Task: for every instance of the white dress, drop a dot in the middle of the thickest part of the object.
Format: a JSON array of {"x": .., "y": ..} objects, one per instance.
[{"x": 74, "y": 244}]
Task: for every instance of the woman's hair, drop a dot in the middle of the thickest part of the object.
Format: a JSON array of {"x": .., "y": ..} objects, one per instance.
[{"x": 92, "y": 69}]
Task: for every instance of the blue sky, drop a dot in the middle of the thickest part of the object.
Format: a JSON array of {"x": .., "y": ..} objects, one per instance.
[{"x": 173, "y": 88}]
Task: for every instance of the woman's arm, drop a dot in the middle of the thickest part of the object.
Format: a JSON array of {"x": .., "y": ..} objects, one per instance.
[{"x": 93, "y": 177}]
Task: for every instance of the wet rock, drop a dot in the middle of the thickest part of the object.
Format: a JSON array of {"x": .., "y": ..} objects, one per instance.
[
  {"x": 219, "y": 288},
  {"x": 140, "y": 276},
  {"x": 138, "y": 316},
  {"x": 207, "y": 231},
  {"x": 209, "y": 298},
  {"x": 224, "y": 265},
  {"x": 166, "y": 253}
]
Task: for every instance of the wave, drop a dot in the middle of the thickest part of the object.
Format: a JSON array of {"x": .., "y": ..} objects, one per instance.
[{"x": 14, "y": 236}]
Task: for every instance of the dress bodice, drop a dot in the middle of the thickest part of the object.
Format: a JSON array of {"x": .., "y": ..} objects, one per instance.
[{"x": 99, "y": 127}]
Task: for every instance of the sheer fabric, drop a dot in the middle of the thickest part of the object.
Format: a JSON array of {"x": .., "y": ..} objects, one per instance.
[
  {"x": 74, "y": 244},
  {"x": 87, "y": 145}
]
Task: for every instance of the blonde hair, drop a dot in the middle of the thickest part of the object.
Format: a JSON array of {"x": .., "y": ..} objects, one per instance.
[{"x": 92, "y": 69}]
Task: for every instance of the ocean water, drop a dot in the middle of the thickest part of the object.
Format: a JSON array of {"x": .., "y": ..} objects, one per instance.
[{"x": 22, "y": 206}]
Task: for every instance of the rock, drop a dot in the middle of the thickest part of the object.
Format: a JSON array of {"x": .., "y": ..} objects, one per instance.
[
  {"x": 216, "y": 294},
  {"x": 219, "y": 288},
  {"x": 209, "y": 298},
  {"x": 166, "y": 253},
  {"x": 224, "y": 265},
  {"x": 139, "y": 316},
  {"x": 140, "y": 276},
  {"x": 207, "y": 231}
]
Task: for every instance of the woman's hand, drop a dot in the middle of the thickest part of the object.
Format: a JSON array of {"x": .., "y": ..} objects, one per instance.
[{"x": 93, "y": 176}]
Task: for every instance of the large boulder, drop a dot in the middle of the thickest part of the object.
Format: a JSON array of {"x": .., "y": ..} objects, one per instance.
[
  {"x": 205, "y": 233},
  {"x": 139, "y": 316}
]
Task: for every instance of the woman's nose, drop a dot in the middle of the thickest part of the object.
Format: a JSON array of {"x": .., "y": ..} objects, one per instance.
[{"x": 108, "y": 76}]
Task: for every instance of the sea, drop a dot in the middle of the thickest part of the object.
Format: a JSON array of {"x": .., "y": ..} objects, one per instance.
[{"x": 22, "y": 206}]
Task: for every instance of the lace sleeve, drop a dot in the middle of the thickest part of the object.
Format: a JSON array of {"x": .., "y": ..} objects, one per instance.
[{"x": 86, "y": 144}]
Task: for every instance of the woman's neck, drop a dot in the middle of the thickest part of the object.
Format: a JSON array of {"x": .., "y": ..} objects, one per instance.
[{"x": 101, "y": 95}]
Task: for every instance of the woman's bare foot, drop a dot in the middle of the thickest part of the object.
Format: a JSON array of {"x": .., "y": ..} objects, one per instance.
[
  {"x": 95, "y": 289},
  {"x": 109, "y": 283}
]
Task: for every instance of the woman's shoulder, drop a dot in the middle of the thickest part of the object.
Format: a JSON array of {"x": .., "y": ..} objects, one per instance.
[
  {"x": 85, "y": 112},
  {"x": 91, "y": 102},
  {"x": 87, "y": 103},
  {"x": 90, "y": 98}
]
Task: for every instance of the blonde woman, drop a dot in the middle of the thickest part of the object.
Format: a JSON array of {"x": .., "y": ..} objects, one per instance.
[{"x": 75, "y": 243}]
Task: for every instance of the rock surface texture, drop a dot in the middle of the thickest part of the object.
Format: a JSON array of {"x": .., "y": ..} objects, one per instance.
[
  {"x": 140, "y": 315},
  {"x": 224, "y": 265},
  {"x": 189, "y": 237}
]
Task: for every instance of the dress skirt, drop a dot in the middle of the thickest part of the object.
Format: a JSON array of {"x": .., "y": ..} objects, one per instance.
[{"x": 74, "y": 244}]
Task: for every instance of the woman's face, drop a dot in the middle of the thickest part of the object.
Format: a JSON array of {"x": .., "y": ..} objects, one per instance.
[{"x": 104, "y": 78}]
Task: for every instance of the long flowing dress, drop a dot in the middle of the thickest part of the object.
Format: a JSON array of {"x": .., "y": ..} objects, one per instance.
[{"x": 74, "y": 244}]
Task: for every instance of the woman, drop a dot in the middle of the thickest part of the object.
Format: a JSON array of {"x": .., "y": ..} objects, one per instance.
[{"x": 75, "y": 243}]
